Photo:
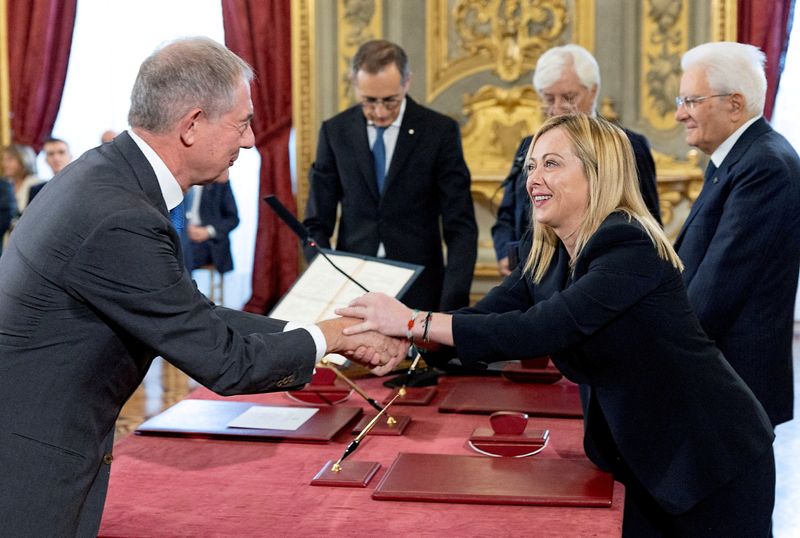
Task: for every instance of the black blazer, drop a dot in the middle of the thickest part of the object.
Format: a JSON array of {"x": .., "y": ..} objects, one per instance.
[
  {"x": 741, "y": 247},
  {"x": 427, "y": 180},
  {"x": 92, "y": 288},
  {"x": 8, "y": 207},
  {"x": 658, "y": 394},
  {"x": 514, "y": 211},
  {"x": 217, "y": 209}
]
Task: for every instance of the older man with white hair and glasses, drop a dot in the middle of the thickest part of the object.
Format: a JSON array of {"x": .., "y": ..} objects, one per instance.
[
  {"x": 740, "y": 243},
  {"x": 567, "y": 79}
]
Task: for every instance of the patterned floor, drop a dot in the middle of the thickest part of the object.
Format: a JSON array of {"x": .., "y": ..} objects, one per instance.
[{"x": 164, "y": 385}]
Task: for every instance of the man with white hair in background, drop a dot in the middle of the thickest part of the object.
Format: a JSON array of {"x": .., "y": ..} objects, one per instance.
[
  {"x": 567, "y": 79},
  {"x": 740, "y": 243}
]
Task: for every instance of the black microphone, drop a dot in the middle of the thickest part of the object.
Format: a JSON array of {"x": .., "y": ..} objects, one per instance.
[
  {"x": 302, "y": 232},
  {"x": 286, "y": 216}
]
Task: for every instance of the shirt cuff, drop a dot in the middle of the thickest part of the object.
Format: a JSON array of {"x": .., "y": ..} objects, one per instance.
[
  {"x": 316, "y": 334},
  {"x": 212, "y": 233}
]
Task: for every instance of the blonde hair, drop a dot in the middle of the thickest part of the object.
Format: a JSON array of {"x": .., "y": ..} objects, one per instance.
[{"x": 608, "y": 164}]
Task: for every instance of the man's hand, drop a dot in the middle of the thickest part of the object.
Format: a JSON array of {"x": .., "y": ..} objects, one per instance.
[
  {"x": 372, "y": 349},
  {"x": 198, "y": 234}
]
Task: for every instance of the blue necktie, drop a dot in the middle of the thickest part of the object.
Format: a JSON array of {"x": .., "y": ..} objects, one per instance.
[
  {"x": 188, "y": 202},
  {"x": 178, "y": 217},
  {"x": 379, "y": 154}
]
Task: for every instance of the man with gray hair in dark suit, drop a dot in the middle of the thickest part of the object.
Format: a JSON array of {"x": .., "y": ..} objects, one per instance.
[{"x": 93, "y": 287}]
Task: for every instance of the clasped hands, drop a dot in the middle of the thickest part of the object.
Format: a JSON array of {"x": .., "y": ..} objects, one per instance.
[{"x": 372, "y": 349}]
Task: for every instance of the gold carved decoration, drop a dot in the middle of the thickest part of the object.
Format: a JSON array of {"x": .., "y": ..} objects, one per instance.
[
  {"x": 498, "y": 119},
  {"x": 503, "y": 36},
  {"x": 359, "y": 21},
  {"x": 724, "y": 16},
  {"x": 665, "y": 37},
  {"x": 304, "y": 95},
  {"x": 679, "y": 185}
]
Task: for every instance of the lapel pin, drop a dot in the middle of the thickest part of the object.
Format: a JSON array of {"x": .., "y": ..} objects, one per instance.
[
  {"x": 411, "y": 131},
  {"x": 716, "y": 179}
]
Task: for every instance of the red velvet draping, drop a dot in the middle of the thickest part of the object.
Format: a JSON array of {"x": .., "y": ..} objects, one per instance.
[
  {"x": 765, "y": 24},
  {"x": 260, "y": 32},
  {"x": 39, "y": 42}
]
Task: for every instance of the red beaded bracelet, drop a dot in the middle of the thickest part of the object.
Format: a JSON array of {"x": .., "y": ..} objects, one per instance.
[{"x": 410, "y": 326}]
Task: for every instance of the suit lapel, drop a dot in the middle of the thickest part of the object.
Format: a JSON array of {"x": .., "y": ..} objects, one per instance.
[
  {"x": 356, "y": 132},
  {"x": 406, "y": 141},
  {"x": 715, "y": 184}
]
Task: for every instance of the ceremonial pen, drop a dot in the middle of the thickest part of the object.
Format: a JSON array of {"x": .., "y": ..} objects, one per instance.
[
  {"x": 336, "y": 467},
  {"x": 326, "y": 364},
  {"x": 402, "y": 390}
]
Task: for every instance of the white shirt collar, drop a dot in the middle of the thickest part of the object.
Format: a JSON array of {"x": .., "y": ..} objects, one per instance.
[
  {"x": 718, "y": 157},
  {"x": 170, "y": 189},
  {"x": 398, "y": 120}
]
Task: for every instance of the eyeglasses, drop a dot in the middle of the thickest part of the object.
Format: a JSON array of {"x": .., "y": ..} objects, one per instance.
[
  {"x": 691, "y": 102},
  {"x": 389, "y": 103}
]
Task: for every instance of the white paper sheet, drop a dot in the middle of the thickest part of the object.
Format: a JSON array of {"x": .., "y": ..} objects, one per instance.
[{"x": 264, "y": 417}]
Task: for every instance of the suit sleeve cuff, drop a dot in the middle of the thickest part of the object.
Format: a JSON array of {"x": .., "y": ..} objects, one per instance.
[{"x": 316, "y": 334}]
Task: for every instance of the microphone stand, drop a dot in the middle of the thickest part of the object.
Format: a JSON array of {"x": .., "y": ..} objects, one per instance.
[{"x": 305, "y": 236}]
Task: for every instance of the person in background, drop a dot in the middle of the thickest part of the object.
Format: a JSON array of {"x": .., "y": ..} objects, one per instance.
[
  {"x": 741, "y": 240},
  {"x": 567, "y": 79},
  {"x": 8, "y": 208},
  {"x": 600, "y": 291},
  {"x": 108, "y": 136},
  {"x": 211, "y": 215},
  {"x": 19, "y": 166},
  {"x": 57, "y": 155},
  {"x": 93, "y": 288},
  {"x": 397, "y": 170}
]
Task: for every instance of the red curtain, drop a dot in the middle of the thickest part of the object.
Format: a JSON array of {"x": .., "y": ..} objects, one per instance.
[
  {"x": 259, "y": 31},
  {"x": 39, "y": 41},
  {"x": 765, "y": 24}
]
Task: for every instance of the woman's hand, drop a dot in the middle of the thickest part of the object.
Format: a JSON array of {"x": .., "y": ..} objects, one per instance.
[{"x": 379, "y": 312}]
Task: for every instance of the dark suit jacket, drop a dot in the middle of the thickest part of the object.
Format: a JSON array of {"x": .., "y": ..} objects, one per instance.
[
  {"x": 658, "y": 394},
  {"x": 8, "y": 207},
  {"x": 217, "y": 209},
  {"x": 92, "y": 288},
  {"x": 427, "y": 180},
  {"x": 514, "y": 212},
  {"x": 741, "y": 247}
]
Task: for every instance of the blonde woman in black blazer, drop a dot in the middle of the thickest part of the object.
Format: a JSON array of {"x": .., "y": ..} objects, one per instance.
[{"x": 602, "y": 293}]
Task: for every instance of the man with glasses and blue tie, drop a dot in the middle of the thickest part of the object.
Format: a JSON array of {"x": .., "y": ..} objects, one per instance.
[
  {"x": 398, "y": 171},
  {"x": 740, "y": 243}
]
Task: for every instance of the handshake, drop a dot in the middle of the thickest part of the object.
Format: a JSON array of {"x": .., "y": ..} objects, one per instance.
[
  {"x": 375, "y": 331},
  {"x": 370, "y": 348}
]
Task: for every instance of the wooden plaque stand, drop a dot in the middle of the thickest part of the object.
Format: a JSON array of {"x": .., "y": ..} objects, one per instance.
[
  {"x": 382, "y": 427},
  {"x": 353, "y": 474}
]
